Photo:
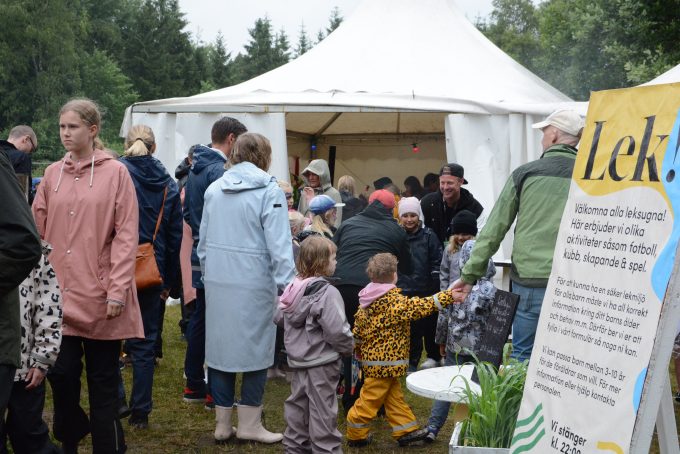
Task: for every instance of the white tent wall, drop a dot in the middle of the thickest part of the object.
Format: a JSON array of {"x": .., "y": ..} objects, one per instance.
[
  {"x": 368, "y": 158},
  {"x": 490, "y": 147},
  {"x": 176, "y": 132}
]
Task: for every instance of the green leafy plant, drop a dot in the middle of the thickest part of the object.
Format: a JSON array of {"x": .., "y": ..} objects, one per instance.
[{"x": 492, "y": 413}]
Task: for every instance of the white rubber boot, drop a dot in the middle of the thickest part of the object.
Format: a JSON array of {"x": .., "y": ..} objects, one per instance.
[
  {"x": 250, "y": 426},
  {"x": 223, "y": 428}
]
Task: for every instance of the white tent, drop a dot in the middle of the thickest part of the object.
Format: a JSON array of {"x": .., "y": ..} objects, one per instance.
[
  {"x": 669, "y": 77},
  {"x": 396, "y": 72}
]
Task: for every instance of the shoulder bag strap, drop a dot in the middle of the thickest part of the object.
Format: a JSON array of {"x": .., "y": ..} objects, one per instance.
[{"x": 160, "y": 215}]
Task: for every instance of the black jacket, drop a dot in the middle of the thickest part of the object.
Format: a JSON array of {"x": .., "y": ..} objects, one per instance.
[
  {"x": 370, "y": 232},
  {"x": 182, "y": 173},
  {"x": 426, "y": 252},
  {"x": 433, "y": 210},
  {"x": 19, "y": 252},
  {"x": 21, "y": 163}
]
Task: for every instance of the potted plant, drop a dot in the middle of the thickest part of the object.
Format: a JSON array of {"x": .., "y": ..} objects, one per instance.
[{"x": 492, "y": 412}]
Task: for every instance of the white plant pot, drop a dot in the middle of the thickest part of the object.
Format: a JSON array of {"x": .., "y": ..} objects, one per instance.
[{"x": 456, "y": 444}]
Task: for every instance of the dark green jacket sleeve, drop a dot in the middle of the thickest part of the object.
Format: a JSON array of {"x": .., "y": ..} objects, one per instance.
[
  {"x": 19, "y": 240},
  {"x": 489, "y": 239}
]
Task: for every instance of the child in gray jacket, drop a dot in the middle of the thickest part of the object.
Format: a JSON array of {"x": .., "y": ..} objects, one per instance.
[{"x": 316, "y": 336}]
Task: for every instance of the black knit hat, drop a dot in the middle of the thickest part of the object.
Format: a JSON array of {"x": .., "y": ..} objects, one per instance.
[
  {"x": 380, "y": 183},
  {"x": 464, "y": 222}
]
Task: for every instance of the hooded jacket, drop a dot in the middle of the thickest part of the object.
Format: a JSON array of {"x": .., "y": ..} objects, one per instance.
[
  {"x": 316, "y": 331},
  {"x": 87, "y": 210},
  {"x": 370, "y": 232},
  {"x": 433, "y": 211},
  {"x": 245, "y": 255},
  {"x": 320, "y": 167},
  {"x": 150, "y": 179},
  {"x": 207, "y": 166},
  {"x": 426, "y": 252},
  {"x": 460, "y": 326},
  {"x": 382, "y": 328},
  {"x": 19, "y": 252}
]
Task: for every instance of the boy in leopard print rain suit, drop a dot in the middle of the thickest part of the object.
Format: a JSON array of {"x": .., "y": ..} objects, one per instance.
[{"x": 382, "y": 337}]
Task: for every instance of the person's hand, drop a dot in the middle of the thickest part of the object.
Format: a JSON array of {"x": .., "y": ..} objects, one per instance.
[
  {"x": 442, "y": 350},
  {"x": 165, "y": 293},
  {"x": 460, "y": 290},
  {"x": 113, "y": 310},
  {"x": 34, "y": 377},
  {"x": 308, "y": 193}
]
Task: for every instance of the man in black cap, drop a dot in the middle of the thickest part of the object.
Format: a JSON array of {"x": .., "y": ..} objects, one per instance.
[{"x": 440, "y": 207}]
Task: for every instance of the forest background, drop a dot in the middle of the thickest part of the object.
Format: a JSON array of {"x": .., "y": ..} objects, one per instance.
[{"x": 118, "y": 52}]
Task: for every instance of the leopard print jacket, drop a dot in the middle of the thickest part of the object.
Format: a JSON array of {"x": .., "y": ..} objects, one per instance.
[
  {"x": 41, "y": 316},
  {"x": 382, "y": 331}
]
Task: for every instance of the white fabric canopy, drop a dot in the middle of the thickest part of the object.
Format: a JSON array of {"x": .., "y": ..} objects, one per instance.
[
  {"x": 398, "y": 70},
  {"x": 669, "y": 77}
]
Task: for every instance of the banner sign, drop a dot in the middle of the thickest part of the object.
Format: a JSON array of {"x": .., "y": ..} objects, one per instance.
[{"x": 612, "y": 263}]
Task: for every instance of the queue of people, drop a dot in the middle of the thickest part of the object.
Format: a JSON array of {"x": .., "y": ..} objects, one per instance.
[{"x": 358, "y": 281}]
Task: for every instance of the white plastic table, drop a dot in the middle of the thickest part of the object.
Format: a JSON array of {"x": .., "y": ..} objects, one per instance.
[{"x": 442, "y": 383}]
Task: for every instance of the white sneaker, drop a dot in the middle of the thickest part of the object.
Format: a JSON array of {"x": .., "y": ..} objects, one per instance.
[{"x": 429, "y": 363}]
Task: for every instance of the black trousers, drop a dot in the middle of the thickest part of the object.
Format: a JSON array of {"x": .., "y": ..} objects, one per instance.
[
  {"x": 25, "y": 428},
  {"x": 6, "y": 381},
  {"x": 71, "y": 423},
  {"x": 350, "y": 295},
  {"x": 423, "y": 330}
]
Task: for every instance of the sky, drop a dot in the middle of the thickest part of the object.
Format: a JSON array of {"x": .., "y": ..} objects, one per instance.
[{"x": 235, "y": 17}]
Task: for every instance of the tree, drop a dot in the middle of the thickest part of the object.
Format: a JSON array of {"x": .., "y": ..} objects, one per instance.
[
  {"x": 264, "y": 52},
  {"x": 303, "y": 44},
  {"x": 334, "y": 21},
  {"x": 220, "y": 61}
]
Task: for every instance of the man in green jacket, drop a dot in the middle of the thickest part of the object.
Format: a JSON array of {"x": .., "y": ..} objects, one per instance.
[
  {"x": 19, "y": 252},
  {"x": 535, "y": 194}
]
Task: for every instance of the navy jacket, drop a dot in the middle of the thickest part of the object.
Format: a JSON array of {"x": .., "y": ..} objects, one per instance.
[
  {"x": 207, "y": 166},
  {"x": 426, "y": 254},
  {"x": 150, "y": 179}
]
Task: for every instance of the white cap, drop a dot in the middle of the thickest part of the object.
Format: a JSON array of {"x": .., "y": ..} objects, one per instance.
[{"x": 564, "y": 120}]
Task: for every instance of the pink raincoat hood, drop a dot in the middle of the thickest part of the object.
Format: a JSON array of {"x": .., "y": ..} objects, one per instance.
[
  {"x": 293, "y": 293},
  {"x": 372, "y": 292}
]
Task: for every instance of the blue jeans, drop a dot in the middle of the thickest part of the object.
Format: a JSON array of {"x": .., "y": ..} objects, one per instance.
[
  {"x": 223, "y": 387},
  {"x": 195, "y": 335},
  {"x": 143, "y": 351},
  {"x": 440, "y": 408},
  {"x": 526, "y": 320}
]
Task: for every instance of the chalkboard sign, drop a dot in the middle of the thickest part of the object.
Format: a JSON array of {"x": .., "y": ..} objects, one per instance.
[{"x": 497, "y": 329}]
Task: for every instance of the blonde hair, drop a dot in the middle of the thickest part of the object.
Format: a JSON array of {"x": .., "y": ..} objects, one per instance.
[
  {"x": 454, "y": 247},
  {"x": 346, "y": 183},
  {"x": 296, "y": 221},
  {"x": 381, "y": 268},
  {"x": 89, "y": 113},
  {"x": 320, "y": 223},
  {"x": 254, "y": 148},
  {"x": 314, "y": 257},
  {"x": 139, "y": 141},
  {"x": 285, "y": 186}
]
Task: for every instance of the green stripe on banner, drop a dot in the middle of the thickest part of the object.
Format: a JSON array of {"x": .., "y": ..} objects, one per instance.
[
  {"x": 528, "y": 420},
  {"x": 526, "y": 448},
  {"x": 528, "y": 433}
]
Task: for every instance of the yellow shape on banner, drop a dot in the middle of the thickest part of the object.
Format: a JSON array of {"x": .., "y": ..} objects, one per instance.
[
  {"x": 609, "y": 446},
  {"x": 625, "y": 139}
]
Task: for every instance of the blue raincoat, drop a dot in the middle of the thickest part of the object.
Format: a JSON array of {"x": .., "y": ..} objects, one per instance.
[{"x": 246, "y": 260}]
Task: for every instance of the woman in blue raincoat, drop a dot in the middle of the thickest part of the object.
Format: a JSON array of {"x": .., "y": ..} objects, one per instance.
[{"x": 246, "y": 259}]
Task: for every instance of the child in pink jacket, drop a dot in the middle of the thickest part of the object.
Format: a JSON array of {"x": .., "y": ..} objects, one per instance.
[{"x": 316, "y": 336}]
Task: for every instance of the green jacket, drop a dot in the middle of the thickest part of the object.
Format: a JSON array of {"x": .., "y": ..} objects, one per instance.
[
  {"x": 535, "y": 194},
  {"x": 19, "y": 251}
]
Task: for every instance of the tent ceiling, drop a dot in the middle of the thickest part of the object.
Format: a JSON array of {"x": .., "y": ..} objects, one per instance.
[{"x": 346, "y": 123}]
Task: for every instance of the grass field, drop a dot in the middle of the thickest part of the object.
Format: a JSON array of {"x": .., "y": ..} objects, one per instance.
[{"x": 178, "y": 427}]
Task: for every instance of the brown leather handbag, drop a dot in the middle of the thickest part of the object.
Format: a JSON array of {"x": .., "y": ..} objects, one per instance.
[{"x": 147, "y": 274}]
